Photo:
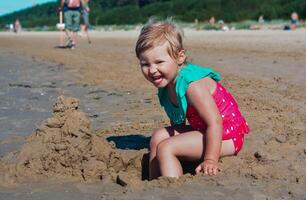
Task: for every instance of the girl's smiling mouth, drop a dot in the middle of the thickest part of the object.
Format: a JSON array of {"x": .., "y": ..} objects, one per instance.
[{"x": 157, "y": 79}]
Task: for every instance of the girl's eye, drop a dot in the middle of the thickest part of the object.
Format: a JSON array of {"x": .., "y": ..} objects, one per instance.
[
  {"x": 144, "y": 65},
  {"x": 159, "y": 62}
]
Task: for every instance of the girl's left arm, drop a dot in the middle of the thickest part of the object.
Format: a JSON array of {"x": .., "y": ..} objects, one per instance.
[{"x": 200, "y": 97}]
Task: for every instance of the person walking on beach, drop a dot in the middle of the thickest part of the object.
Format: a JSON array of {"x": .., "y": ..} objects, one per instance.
[
  {"x": 85, "y": 16},
  {"x": 17, "y": 26},
  {"x": 72, "y": 14},
  {"x": 187, "y": 91}
]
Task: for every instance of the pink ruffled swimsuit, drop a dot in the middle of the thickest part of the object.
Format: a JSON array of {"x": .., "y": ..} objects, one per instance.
[{"x": 234, "y": 124}]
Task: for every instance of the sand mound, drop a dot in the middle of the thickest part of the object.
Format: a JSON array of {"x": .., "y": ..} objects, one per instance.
[{"x": 65, "y": 147}]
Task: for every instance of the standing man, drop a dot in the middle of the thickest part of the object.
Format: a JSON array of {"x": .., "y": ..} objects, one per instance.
[{"x": 72, "y": 14}]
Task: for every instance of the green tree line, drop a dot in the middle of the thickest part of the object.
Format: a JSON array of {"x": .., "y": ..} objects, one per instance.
[{"x": 110, "y": 12}]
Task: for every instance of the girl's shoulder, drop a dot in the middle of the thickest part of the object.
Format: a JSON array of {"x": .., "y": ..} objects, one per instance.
[
  {"x": 190, "y": 73},
  {"x": 196, "y": 72}
]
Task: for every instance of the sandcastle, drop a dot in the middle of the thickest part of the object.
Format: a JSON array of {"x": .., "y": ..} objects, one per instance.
[{"x": 65, "y": 147}]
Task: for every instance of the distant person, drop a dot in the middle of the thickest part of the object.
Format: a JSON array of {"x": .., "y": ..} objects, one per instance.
[
  {"x": 295, "y": 19},
  {"x": 85, "y": 15},
  {"x": 261, "y": 20},
  {"x": 223, "y": 26},
  {"x": 17, "y": 26},
  {"x": 212, "y": 21},
  {"x": 260, "y": 25},
  {"x": 72, "y": 14},
  {"x": 187, "y": 92},
  {"x": 293, "y": 23}
]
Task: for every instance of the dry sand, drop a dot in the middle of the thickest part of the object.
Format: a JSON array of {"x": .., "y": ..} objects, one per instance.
[{"x": 265, "y": 71}]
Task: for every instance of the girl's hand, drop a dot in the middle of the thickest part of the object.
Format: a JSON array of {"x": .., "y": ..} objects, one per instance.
[{"x": 208, "y": 167}]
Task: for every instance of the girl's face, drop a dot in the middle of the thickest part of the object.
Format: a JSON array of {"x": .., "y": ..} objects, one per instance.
[{"x": 159, "y": 67}]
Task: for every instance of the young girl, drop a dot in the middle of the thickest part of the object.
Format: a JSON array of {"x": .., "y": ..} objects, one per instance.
[{"x": 187, "y": 91}]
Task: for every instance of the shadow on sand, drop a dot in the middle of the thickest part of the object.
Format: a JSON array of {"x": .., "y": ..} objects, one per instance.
[
  {"x": 61, "y": 47},
  {"x": 134, "y": 142}
]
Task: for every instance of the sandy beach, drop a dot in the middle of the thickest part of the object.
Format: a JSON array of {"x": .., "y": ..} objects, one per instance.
[{"x": 265, "y": 70}]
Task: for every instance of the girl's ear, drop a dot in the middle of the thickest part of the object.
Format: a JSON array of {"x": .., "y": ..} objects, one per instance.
[{"x": 181, "y": 57}]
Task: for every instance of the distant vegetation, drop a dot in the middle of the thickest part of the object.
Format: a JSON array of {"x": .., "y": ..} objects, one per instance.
[{"x": 118, "y": 12}]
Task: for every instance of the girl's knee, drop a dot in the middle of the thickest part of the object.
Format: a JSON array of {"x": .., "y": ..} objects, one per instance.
[
  {"x": 163, "y": 149},
  {"x": 158, "y": 136}
]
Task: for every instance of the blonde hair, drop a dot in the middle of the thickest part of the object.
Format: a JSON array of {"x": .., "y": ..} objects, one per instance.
[
  {"x": 157, "y": 33},
  {"x": 295, "y": 16}
]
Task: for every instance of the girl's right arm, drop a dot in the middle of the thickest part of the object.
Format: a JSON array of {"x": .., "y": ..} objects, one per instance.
[{"x": 200, "y": 97}]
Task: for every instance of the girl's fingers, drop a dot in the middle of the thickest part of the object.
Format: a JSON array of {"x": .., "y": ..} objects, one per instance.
[
  {"x": 210, "y": 171},
  {"x": 206, "y": 170},
  {"x": 198, "y": 169},
  {"x": 215, "y": 171}
]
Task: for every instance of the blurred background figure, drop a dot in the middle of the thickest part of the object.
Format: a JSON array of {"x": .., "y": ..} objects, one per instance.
[
  {"x": 260, "y": 25},
  {"x": 223, "y": 26},
  {"x": 261, "y": 20},
  {"x": 294, "y": 20},
  {"x": 212, "y": 21},
  {"x": 293, "y": 23},
  {"x": 85, "y": 15},
  {"x": 17, "y": 26}
]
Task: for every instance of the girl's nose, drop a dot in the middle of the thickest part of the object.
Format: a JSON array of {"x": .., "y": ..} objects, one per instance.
[{"x": 153, "y": 69}]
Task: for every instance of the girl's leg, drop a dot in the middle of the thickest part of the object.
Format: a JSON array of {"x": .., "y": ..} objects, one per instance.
[
  {"x": 188, "y": 146},
  {"x": 157, "y": 137}
]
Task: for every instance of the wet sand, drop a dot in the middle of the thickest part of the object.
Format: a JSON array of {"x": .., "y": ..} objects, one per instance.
[{"x": 265, "y": 71}]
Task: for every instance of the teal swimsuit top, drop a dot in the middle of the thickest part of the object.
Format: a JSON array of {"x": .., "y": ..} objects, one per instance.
[{"x": 187, "y": 75}]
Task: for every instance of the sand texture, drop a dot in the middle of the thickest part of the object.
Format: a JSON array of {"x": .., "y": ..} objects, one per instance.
[{"x": 264, "y": 70}]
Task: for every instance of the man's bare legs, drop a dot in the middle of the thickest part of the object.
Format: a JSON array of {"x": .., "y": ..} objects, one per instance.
[
  {"x": 71, "y": 36},
  {"x": 74, "y": 36}
]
